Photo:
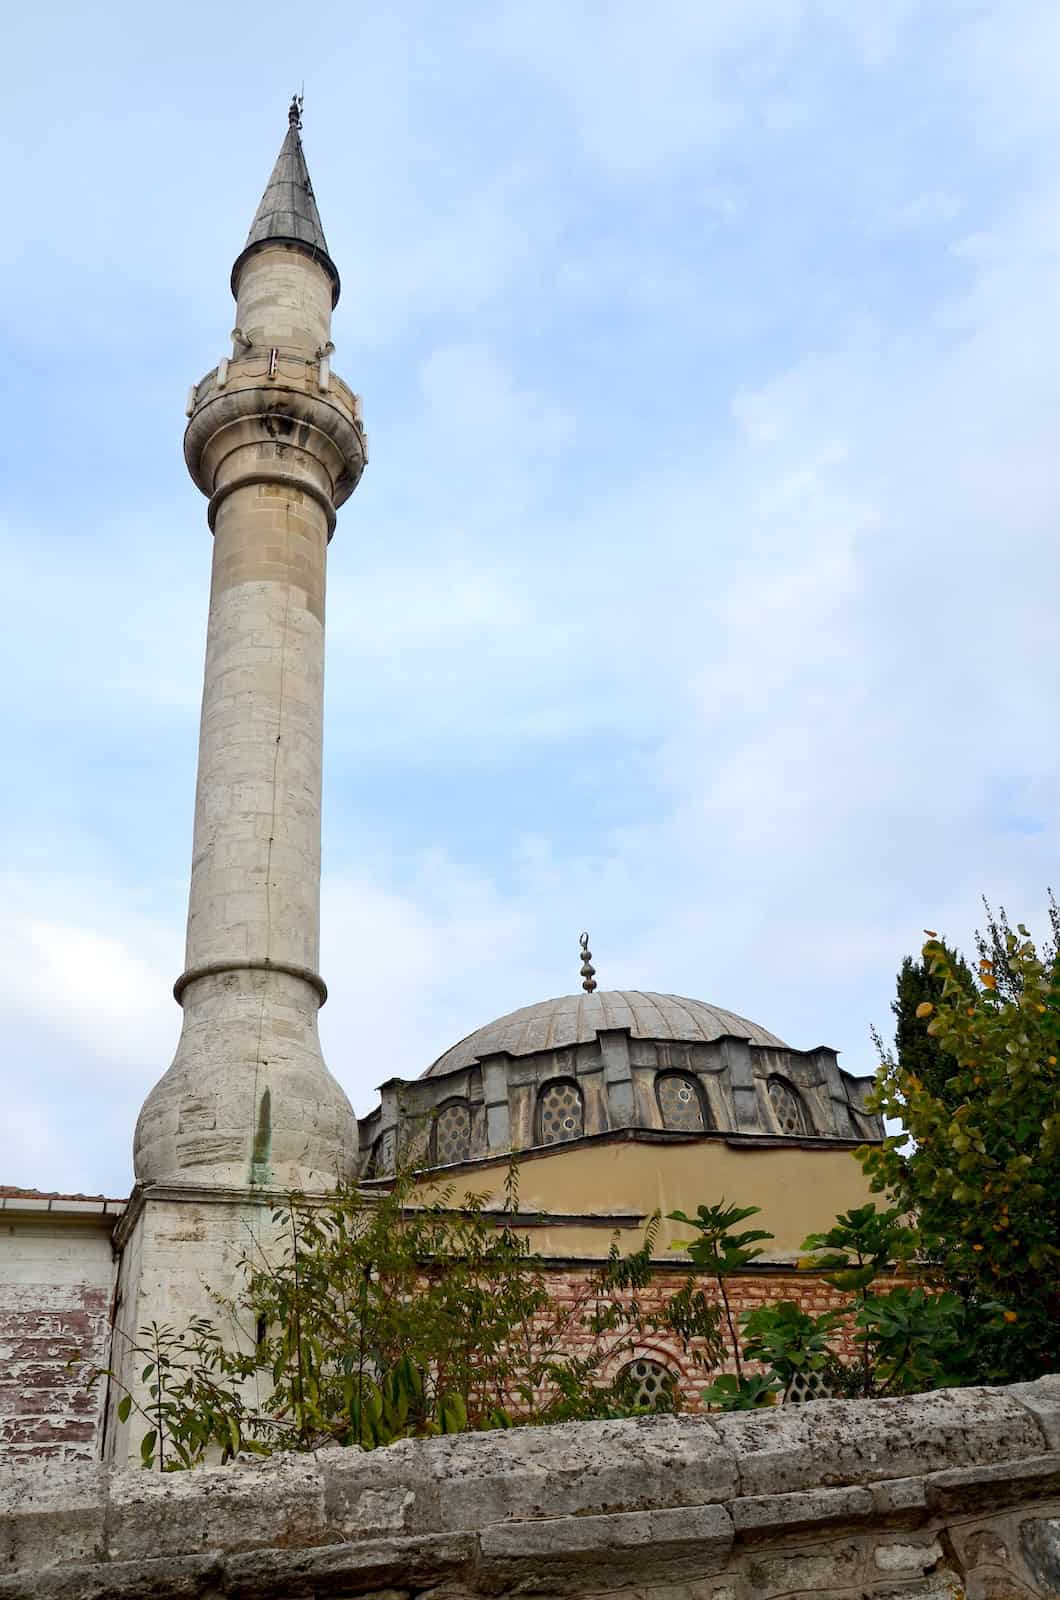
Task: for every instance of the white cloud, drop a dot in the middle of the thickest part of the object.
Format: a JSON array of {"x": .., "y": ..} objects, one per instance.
[{"x": 702, "y": 577}]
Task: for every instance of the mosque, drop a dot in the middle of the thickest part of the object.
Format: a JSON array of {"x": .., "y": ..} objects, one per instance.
[{"x": 615, "y": 1104}]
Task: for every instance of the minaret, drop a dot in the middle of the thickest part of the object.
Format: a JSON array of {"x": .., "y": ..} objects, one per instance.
[
  {"x": 274, "y": 440},
  {"x": 248, "y": 1110}
]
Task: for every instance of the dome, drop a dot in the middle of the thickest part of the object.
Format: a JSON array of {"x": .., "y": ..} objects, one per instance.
[{"x": 577, "y": 1018}]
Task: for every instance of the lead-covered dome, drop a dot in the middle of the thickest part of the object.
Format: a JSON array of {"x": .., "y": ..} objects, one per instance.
[{"x": 578, "y": 1018}]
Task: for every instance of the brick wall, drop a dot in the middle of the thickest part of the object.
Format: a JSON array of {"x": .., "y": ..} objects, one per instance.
[
  {"x": 45, "y": 1407},
  {"x": 55, "y": 1288},
  {"x": 746, "y": 1293}
]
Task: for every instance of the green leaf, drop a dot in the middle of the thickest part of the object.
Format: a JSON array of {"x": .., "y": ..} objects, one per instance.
[
  {"x": 124, "y": 1407},
  {"x": 147, "y": 1447}
]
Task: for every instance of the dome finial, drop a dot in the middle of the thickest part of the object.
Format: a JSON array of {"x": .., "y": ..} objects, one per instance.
[{"x": 588, "y": 970}]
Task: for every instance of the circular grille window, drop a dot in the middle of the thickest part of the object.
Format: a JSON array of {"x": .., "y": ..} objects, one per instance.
[
  {"x": 679, "y": 1103},
  {"x": 452, "y": 1133},
  {"x": 649, "y": 1384},
  {"x": 560, "y": 1113},
  {"x": 787, "y": 1107}
]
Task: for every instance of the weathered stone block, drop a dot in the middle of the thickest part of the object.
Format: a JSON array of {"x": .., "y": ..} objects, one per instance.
[
  {"x": 1042, "y": 1400},
  {"x": 907, "y": 1557},
  {"x": 279, "y": 1501},
  {"x": 981, "y": 1545},
  {"x": 837, "y": 1442},
  {"x": 941, "y": 1585},
  {"x": 837, "y": 1567},
  {"x": 176, "y": 1578},
  {"x": 51, "y": 1515},
  {"x": 585, "y": 1468},
  {"x": 815, "y": 1508},
  {"x": 1040, "y": 1548},
  {"x": 360, "y": 1568},
  {"x": 988, "y": 1488},
  {"x": 900, "y": 1499},
  {"x": 708, "y": 1528}
]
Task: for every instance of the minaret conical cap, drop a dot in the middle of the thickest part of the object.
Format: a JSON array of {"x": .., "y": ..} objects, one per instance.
[{"x": 288, "y": 211}]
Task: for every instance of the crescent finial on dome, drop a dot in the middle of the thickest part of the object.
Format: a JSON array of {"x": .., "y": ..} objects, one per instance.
[{"x": 588, "y": 970}]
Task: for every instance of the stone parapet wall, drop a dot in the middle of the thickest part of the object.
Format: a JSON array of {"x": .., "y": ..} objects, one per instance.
[{"x": 940, "y": 1495}]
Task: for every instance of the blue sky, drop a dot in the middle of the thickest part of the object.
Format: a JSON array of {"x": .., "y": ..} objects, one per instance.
[{"x": 701, "y": 587}]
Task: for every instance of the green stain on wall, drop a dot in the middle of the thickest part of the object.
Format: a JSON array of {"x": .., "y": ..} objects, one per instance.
[{"x": 260, "y": 1160}]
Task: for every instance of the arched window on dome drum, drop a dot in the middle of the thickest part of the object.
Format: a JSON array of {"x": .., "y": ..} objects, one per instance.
[
  {"x": 787, "y": 1106},
  {"x": 649, "y": 1384},
  {"x": 560, "y": 1112},
  {"x": 380, "y": 1162},
  {"x": 451, "y": 1134},
  {"x": 680, "y": 1102}
]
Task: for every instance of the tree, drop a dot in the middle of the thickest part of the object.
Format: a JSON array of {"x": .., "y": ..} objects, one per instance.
[
  {"x": 918, "y": 1052},
  {"x": 721, "y": 1252},
  {"x": 978, "y": 1166},
  {"x": 992, "y": 944}
]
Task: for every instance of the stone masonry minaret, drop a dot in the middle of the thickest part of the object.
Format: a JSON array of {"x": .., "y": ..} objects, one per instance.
[{"x": 274, "y": 440}]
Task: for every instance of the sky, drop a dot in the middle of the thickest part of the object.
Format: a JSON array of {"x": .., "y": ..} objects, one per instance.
[{"x": 701, "y": 588}]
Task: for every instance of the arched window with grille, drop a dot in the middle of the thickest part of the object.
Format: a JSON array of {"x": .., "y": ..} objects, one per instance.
[
  {"x": 787, "y": 1106},
  {"x": 649, "y": 1384},
  {"x": 451, "y": 1134},
  {"x": 680, "y": 1102},
  {"x": 560, "y": 1112}
]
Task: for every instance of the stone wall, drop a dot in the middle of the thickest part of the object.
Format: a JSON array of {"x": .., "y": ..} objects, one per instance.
[{"x": 935, "y": 1496}]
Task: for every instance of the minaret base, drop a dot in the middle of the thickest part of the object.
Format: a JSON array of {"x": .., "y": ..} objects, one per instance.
[
  {"x": 248, "y": 1099},
  {"x": 180, "y": 1252}
]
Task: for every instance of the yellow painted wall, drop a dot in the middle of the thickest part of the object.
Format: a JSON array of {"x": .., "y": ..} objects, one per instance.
[{"x": 799, "y": 1190}]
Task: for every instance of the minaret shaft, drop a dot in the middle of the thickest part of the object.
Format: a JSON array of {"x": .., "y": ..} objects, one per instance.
[
  {"x": 255, "y": 883},
  {"x": 282, "y": 304},
  {"x": 274, "y": 440}
]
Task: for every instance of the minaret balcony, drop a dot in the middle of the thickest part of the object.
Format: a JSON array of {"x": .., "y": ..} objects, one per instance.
[{"x": 265, "y": 416}]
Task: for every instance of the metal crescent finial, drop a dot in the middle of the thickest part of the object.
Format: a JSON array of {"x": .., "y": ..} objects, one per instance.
[{"x": 588, "y": 970}]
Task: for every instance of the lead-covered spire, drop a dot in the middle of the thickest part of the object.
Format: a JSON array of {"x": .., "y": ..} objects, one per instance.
[{"x": 288, "y": 212}]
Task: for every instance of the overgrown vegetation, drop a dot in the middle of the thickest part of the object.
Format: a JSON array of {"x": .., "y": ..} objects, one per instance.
[
  {"x": 409, "y": 1314},
  {"x": 905, "y": 1337},
  {"x": 376, "y": 1319}
]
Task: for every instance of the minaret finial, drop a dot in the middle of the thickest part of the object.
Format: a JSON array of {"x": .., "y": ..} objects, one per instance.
[
  {"x": 288, "y": 212},
  {"x": 588, "y": 970}
]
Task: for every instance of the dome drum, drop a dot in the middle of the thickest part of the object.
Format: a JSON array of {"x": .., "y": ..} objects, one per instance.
[{"x": 479, "y": 1101}]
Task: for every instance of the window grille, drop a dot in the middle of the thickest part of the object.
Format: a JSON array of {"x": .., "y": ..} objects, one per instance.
[
  {"x": 560, "y": 1112},
  {"x": 680, "y": 1102},
  {"x": 787, "y": 1107},
  {"x": 650, "y": 1384},
  {"x": 806, "y": 1386},
  {"x": 451, "y": 1136}
]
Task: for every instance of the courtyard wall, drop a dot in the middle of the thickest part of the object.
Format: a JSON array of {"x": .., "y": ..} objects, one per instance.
[{"x": 930, "y": 1497}]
